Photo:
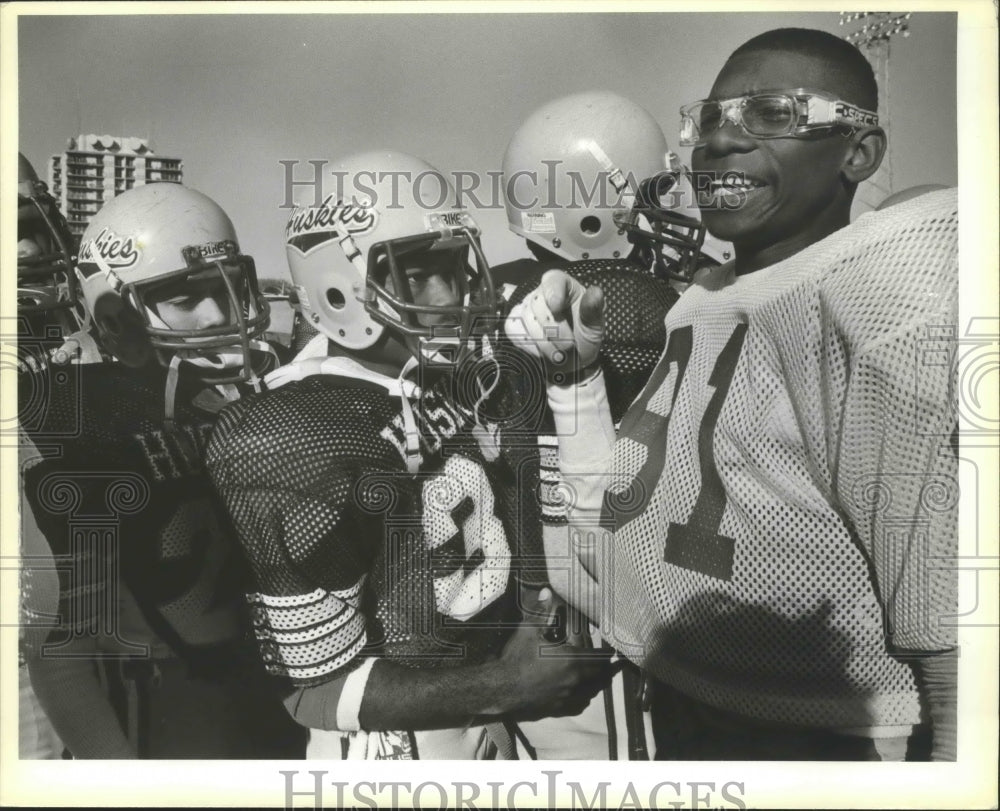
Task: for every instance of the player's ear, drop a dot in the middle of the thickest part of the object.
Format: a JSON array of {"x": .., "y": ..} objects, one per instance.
[{"x": 864, "y": 155}]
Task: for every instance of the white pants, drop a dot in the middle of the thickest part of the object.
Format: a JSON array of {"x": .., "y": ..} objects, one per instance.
[
  {"x": 474, "y": 743},
  {"x": 600, "y": 732}
]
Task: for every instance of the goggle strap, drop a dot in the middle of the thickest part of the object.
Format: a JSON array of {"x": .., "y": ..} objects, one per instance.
[{"x": 820, "y": 111}]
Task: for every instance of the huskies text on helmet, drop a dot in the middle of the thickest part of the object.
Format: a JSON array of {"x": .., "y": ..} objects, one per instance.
[
  {"x": 344, "y": 255},
  {"x": 167, "y": 234}
]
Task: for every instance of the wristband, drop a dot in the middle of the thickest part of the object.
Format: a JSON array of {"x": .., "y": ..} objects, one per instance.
[{"x": 564, "y": 378}]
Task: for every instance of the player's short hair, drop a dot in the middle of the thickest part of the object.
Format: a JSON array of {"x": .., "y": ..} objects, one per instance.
[{"x": 851, "y": 75}]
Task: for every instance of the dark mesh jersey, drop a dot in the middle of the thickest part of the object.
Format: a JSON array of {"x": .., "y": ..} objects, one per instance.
[
  {"x": 352, "y": 554},
  {"x": 635, "y": 306},
  {"x": 122, "y": 498}
]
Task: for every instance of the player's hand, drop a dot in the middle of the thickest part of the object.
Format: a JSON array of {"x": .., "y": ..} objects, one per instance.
[
  {"x": 564, "y": 624},
  {"x": 543, "y": 678},
  {"x": 561, "y": 322}
]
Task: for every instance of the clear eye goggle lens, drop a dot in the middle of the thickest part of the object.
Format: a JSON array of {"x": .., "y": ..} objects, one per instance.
[
  {"x": 764, "y": 116},
  {"x": 770, "y": 115}
]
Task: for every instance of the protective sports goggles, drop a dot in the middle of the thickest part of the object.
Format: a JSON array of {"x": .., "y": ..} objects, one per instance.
[{"x": 771, "y": 114}]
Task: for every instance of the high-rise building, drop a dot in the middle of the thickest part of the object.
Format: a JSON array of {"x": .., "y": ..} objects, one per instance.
[{"x": 96, "y": 168}]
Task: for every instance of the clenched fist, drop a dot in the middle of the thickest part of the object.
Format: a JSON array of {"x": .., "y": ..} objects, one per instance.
[{"x": 544, "y": 677}]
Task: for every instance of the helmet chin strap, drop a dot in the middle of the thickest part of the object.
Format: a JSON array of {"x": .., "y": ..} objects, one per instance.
[
  {"x": 223, "y": 359},
  {"x": 486, "y": 435},
  {"x": 227, "y": 358},
  {"x": 409, "y": 422},
  {"x": 432, "y": 349}
]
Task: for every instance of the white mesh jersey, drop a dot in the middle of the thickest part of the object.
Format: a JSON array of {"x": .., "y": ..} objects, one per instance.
[{"x": 784, "y": 490}]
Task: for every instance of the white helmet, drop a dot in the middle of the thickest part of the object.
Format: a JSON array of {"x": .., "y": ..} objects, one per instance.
[
  {"x": 164, "y": 232},
  {"x": 342, "y": 247},
  {"x": 584, "y": 177}
]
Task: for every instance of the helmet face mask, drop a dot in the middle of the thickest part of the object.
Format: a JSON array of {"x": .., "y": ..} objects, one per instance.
[
  {"x": 447, "y": 341},
  {"x": 349, "y": 257},
  {"x": 164, "y": 240},
  {"x": 231, "y": 279},
  {"x": 46, "y": 285},
  {"x": 671, "y": 242}
]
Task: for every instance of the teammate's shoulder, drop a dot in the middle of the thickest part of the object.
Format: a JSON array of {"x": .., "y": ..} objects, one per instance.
[
  {"x": 336, "y": 395},
  {"x": 631, "y": 291},
  {"x": 911, "y": 224},
  {"x": 922, "y": 201},
  {"x": 318, "y": 428},
  {"x": 75, "y": 401},
  {"x": 894, "y": 269},
  {"x": 324, "y": 407},
  {"x": 592, "y": 268}
]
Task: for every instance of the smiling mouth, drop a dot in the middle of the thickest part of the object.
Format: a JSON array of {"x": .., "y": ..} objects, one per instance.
[
  {"x": 730, "y": 191},
  {"x": 737, "y": 183}
]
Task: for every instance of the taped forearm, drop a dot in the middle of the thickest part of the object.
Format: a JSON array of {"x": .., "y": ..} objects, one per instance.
[{"x": 586, "y": 436}]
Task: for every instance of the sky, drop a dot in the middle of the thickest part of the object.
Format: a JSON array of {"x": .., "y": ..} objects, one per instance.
[{"x": 233, "y": 95}]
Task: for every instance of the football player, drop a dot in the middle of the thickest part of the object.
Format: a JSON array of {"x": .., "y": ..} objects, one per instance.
[
  {"x": 369, "y": 495},
  {"x": 763, "y": 529},
  {"x": 593, "y": 188},
  {"x": 151, "y": 656},
  {"x": 47, "y": 291},
  {"x": 48, "y": 308}
]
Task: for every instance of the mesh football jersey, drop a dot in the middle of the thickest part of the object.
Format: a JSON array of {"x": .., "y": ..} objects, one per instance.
[
  {"x": 784, "y": 491},
  {"x": 122, "y": 498},
  {"x": 352, "y": 554},
  {"x": 635, "y": 305}
]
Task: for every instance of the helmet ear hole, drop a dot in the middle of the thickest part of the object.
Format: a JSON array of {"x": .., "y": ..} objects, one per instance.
[
  {"x": 335, "y": 298},
  {"x": 590, "y": 225}
]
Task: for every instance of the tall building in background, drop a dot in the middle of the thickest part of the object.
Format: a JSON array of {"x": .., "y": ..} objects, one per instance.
[{"x": 96, "y": 168}]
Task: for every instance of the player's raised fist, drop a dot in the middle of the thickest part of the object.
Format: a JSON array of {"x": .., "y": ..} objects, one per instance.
[{"x": 561, "y": 322}]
